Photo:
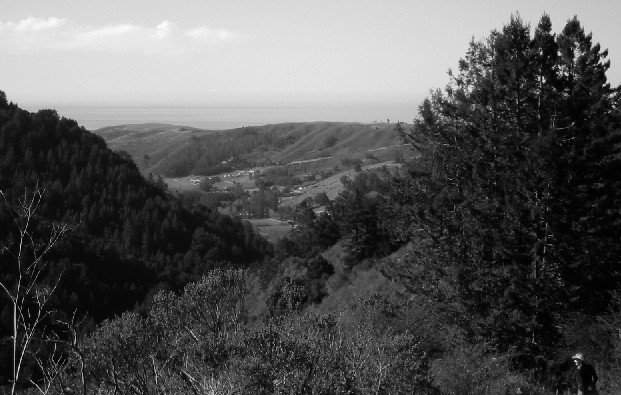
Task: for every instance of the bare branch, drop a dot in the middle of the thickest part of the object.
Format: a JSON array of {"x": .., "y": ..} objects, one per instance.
[{"x": 27, "y": 295}]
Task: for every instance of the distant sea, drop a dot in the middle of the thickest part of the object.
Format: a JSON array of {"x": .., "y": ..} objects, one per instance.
[{"x": 229, "y": 117}]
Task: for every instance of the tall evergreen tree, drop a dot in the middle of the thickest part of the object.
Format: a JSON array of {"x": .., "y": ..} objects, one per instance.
[{"x": 515, "y": 184}]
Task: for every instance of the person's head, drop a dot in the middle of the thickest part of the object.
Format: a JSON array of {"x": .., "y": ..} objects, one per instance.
[{"x": 578, "y": 359}]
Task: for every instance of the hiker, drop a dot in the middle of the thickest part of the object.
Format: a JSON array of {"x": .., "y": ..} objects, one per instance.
[{"x": 585, "y": 376}]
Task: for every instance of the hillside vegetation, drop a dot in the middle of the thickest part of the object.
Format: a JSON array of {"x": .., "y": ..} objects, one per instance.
[
  {"x": 175, "y": 151},
  {"x": 131, "y": 237},
  {"x": 479, "y": 266}
]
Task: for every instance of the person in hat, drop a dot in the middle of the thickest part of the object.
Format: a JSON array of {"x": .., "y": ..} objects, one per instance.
[{"x": 585, "y": 376}]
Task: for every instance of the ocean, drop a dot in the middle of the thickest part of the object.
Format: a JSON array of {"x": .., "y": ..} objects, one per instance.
[{"x": 229, "y": 117}]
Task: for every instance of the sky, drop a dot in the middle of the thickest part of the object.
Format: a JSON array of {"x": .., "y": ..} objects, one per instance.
[{"x": 258, "y": 52}]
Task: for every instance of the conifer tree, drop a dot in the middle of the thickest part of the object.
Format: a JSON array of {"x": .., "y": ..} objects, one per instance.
[{"x": 514, "y": 189}]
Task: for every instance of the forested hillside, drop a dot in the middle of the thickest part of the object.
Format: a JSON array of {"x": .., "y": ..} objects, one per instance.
[
  {"x": 130, "y": 236},
  {"x": 479, "y": 267}
]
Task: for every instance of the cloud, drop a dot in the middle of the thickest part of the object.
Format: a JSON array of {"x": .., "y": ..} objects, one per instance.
[
  {"x": 163, "y": 29},
  {"x": 56, "y": 34},
  {"x": 31, "y": 25}
]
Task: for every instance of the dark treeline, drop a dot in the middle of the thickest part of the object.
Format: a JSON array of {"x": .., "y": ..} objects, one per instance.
[
  {"x": 131, "y": 235},
  {"x": 501, "y": 240}
]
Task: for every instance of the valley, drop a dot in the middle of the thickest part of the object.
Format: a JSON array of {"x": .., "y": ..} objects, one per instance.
[{"x": 297, "y": 161}]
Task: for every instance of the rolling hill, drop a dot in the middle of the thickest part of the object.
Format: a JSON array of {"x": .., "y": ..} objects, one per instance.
[
  {"x": 153, "y": 140},
  {"x": 177, "y": 151}
]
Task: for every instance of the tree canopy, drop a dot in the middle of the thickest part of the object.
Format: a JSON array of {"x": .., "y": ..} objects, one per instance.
[{"x": 517, "y": 189}]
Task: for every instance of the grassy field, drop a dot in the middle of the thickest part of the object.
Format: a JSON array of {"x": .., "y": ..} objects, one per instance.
[
  {"x": 331, "y": 186},
  {"x": 272, "y": 229},
  {"x": 149, "y": 143}
]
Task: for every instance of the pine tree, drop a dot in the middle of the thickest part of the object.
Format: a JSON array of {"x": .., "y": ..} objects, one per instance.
[{"x": 514, "y": 191}]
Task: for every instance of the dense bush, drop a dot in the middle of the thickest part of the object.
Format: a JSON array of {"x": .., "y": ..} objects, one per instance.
[{"x": 194, "y": 342}]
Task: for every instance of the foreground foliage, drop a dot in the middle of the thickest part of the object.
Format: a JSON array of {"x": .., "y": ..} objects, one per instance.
[{"x": 194, "y": 343}]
